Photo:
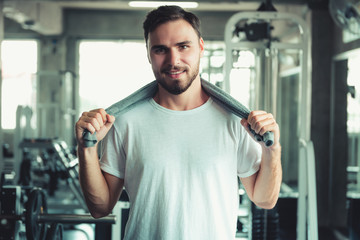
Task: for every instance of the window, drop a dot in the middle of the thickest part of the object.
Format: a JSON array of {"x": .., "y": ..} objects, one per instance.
[
  {"x": 110, "y": 71},
  {"x": 212, "y": 62},
  {"x": 353, "y": 111},
  {"x": 353, "y": 123},
  {"x": 242, "y": 75},
  {"x": 19, "y": 67}
]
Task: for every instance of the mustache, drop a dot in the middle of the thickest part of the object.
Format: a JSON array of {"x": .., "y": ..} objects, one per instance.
[{"x": 173, "y": 68}]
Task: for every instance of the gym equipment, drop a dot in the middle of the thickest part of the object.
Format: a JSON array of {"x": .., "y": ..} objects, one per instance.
[
  {"x": 55, "y": 232},
  {"x": 273, "y": 50},
  {"x": 265, "y": 224},
  {"x": 54, "y": 118},
  {"x": 121, "y": 210},
  {"x": 346, "y": 14},
  {"x": 10, "y": 203},
  {"x": 25, "y": 169},
  {"x": 35, "y": 205},
  {"x": 149, "y": 90},
  {"x": 36, "y": 217},
  {"x": 65, "y": 158},
  {"x": 354, "y": 216},
  {"x": 23, "y": 130}
]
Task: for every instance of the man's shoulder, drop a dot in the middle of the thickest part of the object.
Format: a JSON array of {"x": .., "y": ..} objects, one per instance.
[
  {"x": 135, "y": 118},
  {"x": 224, "y": 111},
  {"x": 137, "y": 109}
]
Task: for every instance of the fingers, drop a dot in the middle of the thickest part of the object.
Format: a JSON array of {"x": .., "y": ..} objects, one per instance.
[
  {"x": 262, "y": 122},
  {"x": 110, "y": 118},
  {"x": 94, "y": 120},
  {"x": 99, "y": 114},
  {"x": 244, "y": 123}
]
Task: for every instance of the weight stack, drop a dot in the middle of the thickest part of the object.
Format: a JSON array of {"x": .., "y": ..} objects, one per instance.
[
  {"x": 354, "y": 218},
  {"x": 265, "y": 224},
  {"x": 10, "y": 204},
  {"x": 273, "y": 226},
  {"x": 286, "y": 207}
]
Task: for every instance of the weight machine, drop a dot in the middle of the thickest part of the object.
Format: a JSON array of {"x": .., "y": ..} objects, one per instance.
[
  {"x": 24, "y": 208},
  {"x": 38, "y": 223},
  {"x": 67, "y": 161},
  {"x": 279, "y": 76},
  {"x": 23, "y": 130}
]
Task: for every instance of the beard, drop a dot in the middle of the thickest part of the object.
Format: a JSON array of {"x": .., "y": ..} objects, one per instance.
[{"x": 176, "y": 86}]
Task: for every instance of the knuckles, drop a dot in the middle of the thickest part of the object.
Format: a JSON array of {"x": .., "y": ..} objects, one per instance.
[
  {"x": 88, "y": 126},
  {"x": 93, "y": 120},
  {"x": 98, "y": 117}
]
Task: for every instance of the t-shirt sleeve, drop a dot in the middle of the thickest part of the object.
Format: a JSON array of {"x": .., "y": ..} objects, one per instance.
[
  {"x": 113, "y": 156},
  {"x": 249, "y": 155}
]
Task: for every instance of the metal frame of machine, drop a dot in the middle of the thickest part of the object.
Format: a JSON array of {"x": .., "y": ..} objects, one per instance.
[{"x": 307, "y": 225}]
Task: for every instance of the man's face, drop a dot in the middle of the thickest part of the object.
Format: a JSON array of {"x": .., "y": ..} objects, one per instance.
[{"x": 174, "y": 51}]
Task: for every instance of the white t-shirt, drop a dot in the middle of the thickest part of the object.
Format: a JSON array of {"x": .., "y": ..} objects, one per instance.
[{"x": 180, "y": 170}]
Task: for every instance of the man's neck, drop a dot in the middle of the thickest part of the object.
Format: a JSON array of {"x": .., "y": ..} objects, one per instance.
[{"x": 192, "y": 98}]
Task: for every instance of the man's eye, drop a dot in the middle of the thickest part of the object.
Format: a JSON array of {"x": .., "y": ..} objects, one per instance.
[
  {"x": 159, "y": 50},
  {"x": 184, "y": 47}
]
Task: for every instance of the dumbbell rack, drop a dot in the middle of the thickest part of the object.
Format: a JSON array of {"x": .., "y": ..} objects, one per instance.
[{"x": 65, "y": 157}]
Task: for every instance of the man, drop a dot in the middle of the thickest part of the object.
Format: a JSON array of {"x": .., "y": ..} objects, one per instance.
[{"x": 179, "y": 153}]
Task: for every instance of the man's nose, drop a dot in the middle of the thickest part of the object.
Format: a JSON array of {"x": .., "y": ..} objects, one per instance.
[{"x": 173, "y": 57}]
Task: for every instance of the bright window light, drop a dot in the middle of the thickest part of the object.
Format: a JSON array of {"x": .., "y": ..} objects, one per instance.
[
  {"x": 353, "y": 108},
  {"x": 151, "y": 4},
  {"x": 241, "y": 76},
  {"x": 110, "y": 71},
  {"x": 19, "y": 66}
]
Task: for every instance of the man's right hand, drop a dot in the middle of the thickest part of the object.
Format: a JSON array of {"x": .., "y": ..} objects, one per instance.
[{"x": 94, "y": 121}]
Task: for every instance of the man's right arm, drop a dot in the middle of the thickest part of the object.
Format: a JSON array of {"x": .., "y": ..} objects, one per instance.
[{"x": 101, "y": 190}]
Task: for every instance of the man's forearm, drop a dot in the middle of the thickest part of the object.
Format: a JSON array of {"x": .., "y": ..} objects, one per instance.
[
  {"x": 268, "y": 180},
  {"x": 93, "y": 183}
]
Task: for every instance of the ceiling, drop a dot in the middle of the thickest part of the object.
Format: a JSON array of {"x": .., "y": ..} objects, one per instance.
[
  {"x": 45, "y": 16},
  {"x": 202, "y": 3}
]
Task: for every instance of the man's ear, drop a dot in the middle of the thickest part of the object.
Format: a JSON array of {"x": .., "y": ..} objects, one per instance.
[
  {"x": 148, "y": 56},
  {"x": 202, "y": 44}
]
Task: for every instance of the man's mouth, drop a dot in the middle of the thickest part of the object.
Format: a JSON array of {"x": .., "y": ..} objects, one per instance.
[{"x": 174, "y": 74}]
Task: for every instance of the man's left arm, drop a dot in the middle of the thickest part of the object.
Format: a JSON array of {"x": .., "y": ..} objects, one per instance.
[{"x": 263, "y": 187}]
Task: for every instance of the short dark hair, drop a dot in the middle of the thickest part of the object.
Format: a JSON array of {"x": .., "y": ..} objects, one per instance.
[{"x": 165, "y": 14}]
